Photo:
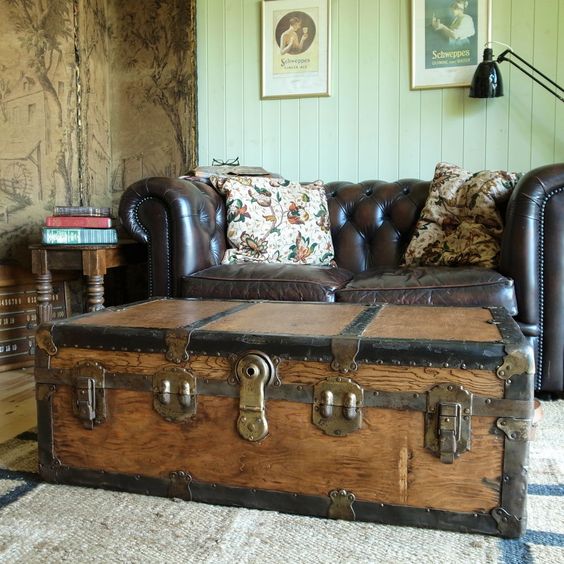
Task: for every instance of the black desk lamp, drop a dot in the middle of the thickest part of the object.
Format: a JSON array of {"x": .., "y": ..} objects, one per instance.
[{"x": 487, "y": 82}]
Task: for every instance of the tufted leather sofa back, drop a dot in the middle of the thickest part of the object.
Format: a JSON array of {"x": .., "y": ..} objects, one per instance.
[{"x": 372, "y": 222}]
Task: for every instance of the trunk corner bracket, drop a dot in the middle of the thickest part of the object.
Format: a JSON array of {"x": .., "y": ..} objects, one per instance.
[
  {"x": 515, "y": 429},
  {"x": 508, "y": 525},
  {"x": 44, "y": 340},
  {"x": 179, "y": 487},
  {"x": 341, "y": 505},
  {"x": 516, "y": 362}
]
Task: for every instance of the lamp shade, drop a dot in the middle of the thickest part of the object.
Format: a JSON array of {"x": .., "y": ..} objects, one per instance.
[{"x": 487, "y": 81}]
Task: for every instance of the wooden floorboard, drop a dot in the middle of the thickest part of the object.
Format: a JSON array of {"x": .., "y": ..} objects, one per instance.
[{"x": 17, "y": 403}]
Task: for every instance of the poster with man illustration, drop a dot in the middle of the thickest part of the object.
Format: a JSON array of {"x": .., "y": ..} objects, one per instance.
[
  {"x": 447, "y": 39},
  {"x": 450, "y": 33},
  {"x": 295, "y": 48}
]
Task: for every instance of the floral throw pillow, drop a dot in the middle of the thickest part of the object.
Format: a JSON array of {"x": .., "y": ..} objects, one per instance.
[
  {"x": 272, "y": 220},
  {"x": 460, "y": 223}
]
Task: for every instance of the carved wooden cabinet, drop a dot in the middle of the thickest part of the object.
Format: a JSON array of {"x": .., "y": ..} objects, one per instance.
[{"x": 18, "y": 317}]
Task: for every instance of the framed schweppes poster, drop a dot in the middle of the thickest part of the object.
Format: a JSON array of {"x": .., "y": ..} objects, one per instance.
[
  {"x": 295, "y": 48},
  {"x": 447, "y": 39}
]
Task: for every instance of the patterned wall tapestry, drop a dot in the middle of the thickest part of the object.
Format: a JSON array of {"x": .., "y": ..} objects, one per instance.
[
  {"x": 94, "y": 94},
  {"x": 37, "y": 116},
  {"x": 153, "y": 89}
]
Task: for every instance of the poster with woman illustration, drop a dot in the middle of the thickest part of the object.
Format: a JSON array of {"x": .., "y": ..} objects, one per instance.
[
  {"x": 447, "y": 41},
  {"x": 295, "y": 48}
]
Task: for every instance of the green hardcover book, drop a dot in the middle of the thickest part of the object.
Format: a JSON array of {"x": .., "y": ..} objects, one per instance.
[{"x": 78, "y": 236}]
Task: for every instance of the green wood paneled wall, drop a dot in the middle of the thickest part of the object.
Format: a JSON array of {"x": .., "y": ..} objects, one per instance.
[{"x": 373, "y": 125}]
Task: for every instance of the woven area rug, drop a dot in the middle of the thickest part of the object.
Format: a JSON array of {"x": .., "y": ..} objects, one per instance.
[{"x": 45, "y": 523}]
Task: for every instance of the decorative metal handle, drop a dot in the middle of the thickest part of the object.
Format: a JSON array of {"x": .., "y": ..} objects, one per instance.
[{"x": 254, "y": 371}]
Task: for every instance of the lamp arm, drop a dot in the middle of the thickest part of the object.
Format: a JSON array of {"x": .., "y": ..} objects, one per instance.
[{"x": 503, "y": 57}]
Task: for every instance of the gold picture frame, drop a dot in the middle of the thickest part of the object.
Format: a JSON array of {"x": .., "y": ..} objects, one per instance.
[
  {"x": 296, "y": 48},
  {"x": 447, "y": 41}
]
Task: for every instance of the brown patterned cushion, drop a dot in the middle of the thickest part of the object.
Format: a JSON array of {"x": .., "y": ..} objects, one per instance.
[
  {"x": 276, "y": 221},
  {"x": 460, "y": 223}
]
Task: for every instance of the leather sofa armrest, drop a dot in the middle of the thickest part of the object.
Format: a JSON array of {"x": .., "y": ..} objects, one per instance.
[
  {"x": 182, "y": 223},
  {"x": 532, "y": 254}
]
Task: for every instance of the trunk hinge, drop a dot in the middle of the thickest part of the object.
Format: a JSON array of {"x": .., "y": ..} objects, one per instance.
[
  {"x": 177, "y": 341},
  {"x": 344, "y": 350},
  {"x": 448, "y": 421}
]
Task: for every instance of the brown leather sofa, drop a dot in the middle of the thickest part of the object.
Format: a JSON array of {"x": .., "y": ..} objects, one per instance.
[{"x": 184, "y": 225}]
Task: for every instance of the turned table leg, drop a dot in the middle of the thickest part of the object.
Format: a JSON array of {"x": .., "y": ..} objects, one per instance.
[
  {"x": 94, "y": 267},
  {"x": 95, "y": 293},
  {"x": 44, "y": 287}
]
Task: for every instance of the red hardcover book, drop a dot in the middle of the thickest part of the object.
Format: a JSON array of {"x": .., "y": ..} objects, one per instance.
[{"x": 75, "y": 221}]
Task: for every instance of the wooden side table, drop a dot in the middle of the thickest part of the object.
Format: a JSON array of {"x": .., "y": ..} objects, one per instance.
[{"x": 92, "y": 260}]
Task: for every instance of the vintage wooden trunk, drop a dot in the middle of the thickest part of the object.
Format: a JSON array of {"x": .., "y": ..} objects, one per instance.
[{"x": 394, "y": 414}]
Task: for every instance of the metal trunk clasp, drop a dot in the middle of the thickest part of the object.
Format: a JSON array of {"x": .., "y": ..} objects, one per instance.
[
  {"x": 337, "y": 406},
  {"x": 89, "y": 394},
  {"x": 174, "y": 393},
  {"x": 448, "y": 421}
]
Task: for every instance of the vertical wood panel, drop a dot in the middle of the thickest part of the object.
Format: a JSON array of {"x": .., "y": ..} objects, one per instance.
[
  {"x": 368, "y": 99},
  {"x": 520, "y": 86},
  {"x": 309, "y": 140},
  {"x": 251, "y": 152},
  {"x": 290, "y": 139},
  {"x": 409, "y": 104},
  {"x": 233, "y": 91},
  {"x": 544, "y": 103},
  {"x": 347, "y": 15},
  {"x": 474, "y": 133},
  {"x": 388, "y": 76},
  {"x": 559, "y": 118},
  {"x": 329, "y": 109},
  {"x": 497, "y": 110},
  {"x": 373, "y": 125},
  {"x": 431, "y": 130},
  {"x": 271, "y": 137},
  {"x": 203, "y": 74},
  {"x": 215, "y": 121},
  {"x": 452, "y": 126}
]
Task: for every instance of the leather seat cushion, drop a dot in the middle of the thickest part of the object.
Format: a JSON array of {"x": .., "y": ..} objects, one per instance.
[
  {"x": 432, "y": 285},
  {"x": 260, "y": 281}
]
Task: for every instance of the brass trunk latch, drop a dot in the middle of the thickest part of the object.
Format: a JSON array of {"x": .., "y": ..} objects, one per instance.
[
  {"x": 254, "y": 371},
  {"x": 89, "y": 394},
  {"x": 337, "y": 406},
  {"x": 448, "y": 421},
  {"x": 174, "y": 393}
]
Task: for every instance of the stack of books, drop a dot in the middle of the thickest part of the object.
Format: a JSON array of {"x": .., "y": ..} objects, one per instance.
[{"x": 79, "y": 225}]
